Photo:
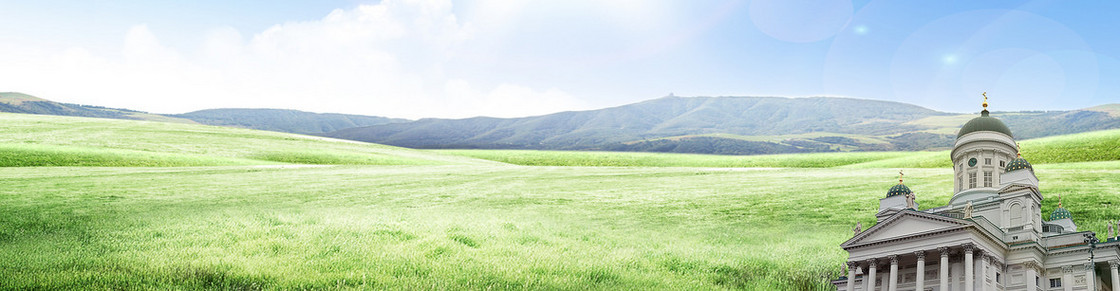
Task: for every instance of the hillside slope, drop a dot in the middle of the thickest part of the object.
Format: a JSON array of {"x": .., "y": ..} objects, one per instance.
[
  {"x": 625, "y": 127},
  {"x": 38, "y": 140},
  {"x": 724, "y": 125},
  {"x": 283, "y": 120},
  {"x": 13, "y": 102}
]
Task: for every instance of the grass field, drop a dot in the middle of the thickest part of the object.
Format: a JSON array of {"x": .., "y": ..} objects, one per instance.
[
  {"x": 1080, "y": 147},
  {"x": 38, "y": 140},
  {"x": 223, "y": 217}
]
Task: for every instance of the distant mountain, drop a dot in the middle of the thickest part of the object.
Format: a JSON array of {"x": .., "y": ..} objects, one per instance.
[
  {"x": 724, "y": 125},
  {"x": 23, "y": 103},
  {"x": 284, "y": 120},
  {"x": 291, "y": 121}
]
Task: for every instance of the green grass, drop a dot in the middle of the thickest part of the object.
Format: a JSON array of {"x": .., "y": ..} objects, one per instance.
[
  {"x": 457, "y": 227},
  {"x": 143, "y": 205},
  {"x": 1081, "y": 147},
  {"x": 38, "y": 140}
]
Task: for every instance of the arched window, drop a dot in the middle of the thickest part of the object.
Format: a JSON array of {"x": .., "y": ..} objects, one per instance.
[{"x": 1016, "y": 214}]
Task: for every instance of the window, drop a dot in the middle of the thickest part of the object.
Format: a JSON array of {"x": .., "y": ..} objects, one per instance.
[
  {"x": 987, "y": 179},
  {"x": 997, "y": 277},
  {"x": 1055, "y": 283},
  {"x": 972, "y": 180},
  {"x": 1036, "y": 280},
  {"x": 987, "y": 161},
  {"x": 960, "y": 181},
  {"x": 1001, "y": 164}
]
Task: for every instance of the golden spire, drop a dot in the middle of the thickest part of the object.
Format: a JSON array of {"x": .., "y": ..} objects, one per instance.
[
  {"x": 900, "y": 177},
  {"x": 1059, "y": 200},
  {"x": 985, "y": 94},
  {"x": 1018, "y": 150}
]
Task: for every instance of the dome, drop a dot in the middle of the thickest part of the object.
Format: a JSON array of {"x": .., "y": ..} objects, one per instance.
[
  {"x": 899, "y": 189},
  {"x": 1060, "y": 213},
  {"x": 1018, "y": 164},
  {"x": 984, "y": 123}
]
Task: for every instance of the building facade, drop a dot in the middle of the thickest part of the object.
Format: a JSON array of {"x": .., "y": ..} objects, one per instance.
[{"x": 990, "y": 236}]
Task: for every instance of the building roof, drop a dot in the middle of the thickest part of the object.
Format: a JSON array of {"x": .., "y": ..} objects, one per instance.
[
  {"x": 899, "y": 189},
  {"x": 1060, "y": 213},
  {"x": 1018, "y": 164},
  {"x": 984, "y": 123}
]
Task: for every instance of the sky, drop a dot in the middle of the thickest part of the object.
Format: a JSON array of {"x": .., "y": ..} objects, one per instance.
[{"x": 457, "y": 59}]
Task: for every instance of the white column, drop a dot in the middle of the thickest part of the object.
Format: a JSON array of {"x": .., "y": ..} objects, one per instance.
[
  {"x": 1090, "y": 277},
  {"x": 920, "y": 279},
  {"x": 892, "y": 285},
  {"x": 984, "y": 272},
  {"x": 852, "y": 276},
  {"x": 944, "y": 272},
  {"x": 1030, "y": 276},
  {"x": 1115, "y": 276},
  {"x": 969, "y": 266},
  {"x": 869, "y": 278},
  {"x": 1067, "y": 278}
]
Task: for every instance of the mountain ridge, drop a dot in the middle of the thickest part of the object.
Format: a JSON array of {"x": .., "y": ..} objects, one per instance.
[{"x": 724, "y": 125}]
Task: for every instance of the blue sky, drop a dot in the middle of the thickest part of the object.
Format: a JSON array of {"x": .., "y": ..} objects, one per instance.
[{"x": 421, "y": 58}]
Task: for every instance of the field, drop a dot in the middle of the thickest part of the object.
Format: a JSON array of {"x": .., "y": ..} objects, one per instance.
[{"x": 208, "y": 210}]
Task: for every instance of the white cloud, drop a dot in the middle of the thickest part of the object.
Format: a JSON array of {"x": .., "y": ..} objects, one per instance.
[{"x": 385, "y": 59}]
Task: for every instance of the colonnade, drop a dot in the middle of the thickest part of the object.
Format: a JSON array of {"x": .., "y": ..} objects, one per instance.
[{"x": 891, "y": 284}]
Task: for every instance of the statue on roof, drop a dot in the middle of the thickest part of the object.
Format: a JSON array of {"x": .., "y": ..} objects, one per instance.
[
  {"x": 968, "y": 210},
  {"x": 910, "y": 201},
  {"x": 857, "y": 229}
]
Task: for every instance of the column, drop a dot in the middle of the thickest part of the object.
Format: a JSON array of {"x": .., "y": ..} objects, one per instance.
[
  {"x": 852, "y": 276},
  {"x": 1090, "y": 277},
  {"x": 869, "y": 278},
  {"x": 920, "y": 279},
  {"x": 1030, "y": 274},
  {"x": 969, "y": 272},
  {"x": 1067, "y": 278},
  {"x": 1115, "y": 276},
  {"x": 944, "y": 272},
  {"x": 984, "y": 272},
  {"x": 892, "y": 284}
]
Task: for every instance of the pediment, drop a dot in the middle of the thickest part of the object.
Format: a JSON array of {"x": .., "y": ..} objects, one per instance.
[{"x": 905, "y": 224}]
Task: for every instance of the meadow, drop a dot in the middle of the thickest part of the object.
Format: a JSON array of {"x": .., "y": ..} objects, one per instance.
[{"x": 206, "y": 211}]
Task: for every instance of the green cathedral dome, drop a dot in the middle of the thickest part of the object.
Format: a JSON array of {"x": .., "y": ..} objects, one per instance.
[
  {"x": 984, "y": 123},
  {"x": 1018, "y": 164},
  {"x": 899, "y": 189},
  {"x": 1060, "y": 213}
]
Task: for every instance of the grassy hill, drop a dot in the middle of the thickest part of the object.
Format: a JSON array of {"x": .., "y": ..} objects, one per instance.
[
  {"x": 726, "y": 125},
  {"x": 13, "y": 102},
  {"x": 284, "y": 120},
  {"x": 38, "y": 140},
  {"x": 410, "y": 219},
  {"x": 1081, "y": 147}
]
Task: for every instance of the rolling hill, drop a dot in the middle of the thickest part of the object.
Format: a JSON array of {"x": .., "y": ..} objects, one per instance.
[
  {"x": 282, "y": 120},
  {"x": 38, "y": 140},
  {"x": 13, "y": 102},
  {"x": 725, "y": 125}
]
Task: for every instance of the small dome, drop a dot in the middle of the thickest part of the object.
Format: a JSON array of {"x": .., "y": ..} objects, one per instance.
[
  {"x": 899, "y": 189},
  {"x": 984, "y": 123},
  {"x": 1060, "y": 213},
  {"x": 1018, "y": 164}
]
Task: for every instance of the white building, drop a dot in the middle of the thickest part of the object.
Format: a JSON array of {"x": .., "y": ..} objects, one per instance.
[{"x": 991, "y": 235}]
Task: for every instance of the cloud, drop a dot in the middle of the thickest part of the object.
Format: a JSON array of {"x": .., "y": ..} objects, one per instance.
[{"x": 386, "y": 59}]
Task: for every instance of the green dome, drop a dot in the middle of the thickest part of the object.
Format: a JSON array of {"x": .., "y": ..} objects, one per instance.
[
  {"x": 1060, "y": 213},
  {"x": 898, "y": 190},
  {"x": 984, "y": 123},
  {"x": 1018, "y": 164}
]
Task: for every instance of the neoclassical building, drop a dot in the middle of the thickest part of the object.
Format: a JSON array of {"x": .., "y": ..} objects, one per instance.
[{"x": 991, "y": 235}]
